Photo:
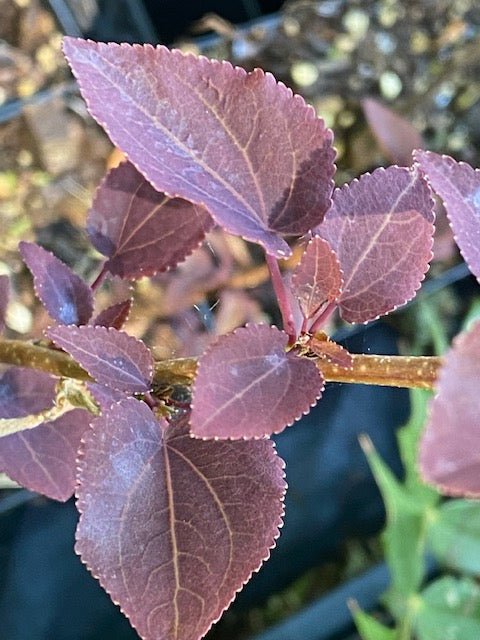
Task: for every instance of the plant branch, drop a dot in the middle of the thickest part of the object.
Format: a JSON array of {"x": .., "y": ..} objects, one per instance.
[
  {"x": 282, "y": 297},
  {"x": 393, "y": 371}
]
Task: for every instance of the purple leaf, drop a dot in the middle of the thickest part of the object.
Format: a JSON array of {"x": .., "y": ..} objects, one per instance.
[
  {"x": 238, "y": 143},
  {"x": 105, "y": 396},
  {"x": 114, "y": 316},
  {"x": 4, "y": 293},
  {"x": 458, "y": 185},
  {"x": 317, "y": 279},
  {"x": 43, "y": 459},
  {"x": 395, "y": 134},
  {"x": 450, "y": 447},
  {"x": 26, "y": 392},
  {"x": 380, "y": 226},
  {"x": 66, "y": 297},
  {"x": 111, "y": 357},
  {"x": 247, "y": 386},
  {"x": 141, "y": 230},
  {"x": 172, "y": 526}
]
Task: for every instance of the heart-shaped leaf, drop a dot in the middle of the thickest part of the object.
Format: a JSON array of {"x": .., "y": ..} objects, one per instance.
[
  {"x": 141, "y": 230},
  {"x": 173, "y": 526},
  {"x": 43, "y": 459},
  {"x": 114, "y": 316},
  {"x": 450, "y": 447},
  {"x": 111, "y": 357},
  {"x": 66, "y": 297},
  {"x": 458, "y": 185},
  {"x": 248, "y": 386},
  {"x": 380, "y": 226},
  {"x": 238, "y": 143},
  {"x": 317, "y": 279}
]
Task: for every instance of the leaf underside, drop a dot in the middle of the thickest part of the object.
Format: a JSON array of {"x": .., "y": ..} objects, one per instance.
[
  {"x": 139, "y": 229},
  {"x": 450, "y": 447},
  {"x": 247, "y": 386},
  {"x": 238, "y": 143},
  {"x": 172, "y": 526},
  {"x": 110, "y": 356},
  {"x": 380, "y": 227},
  {"x": 458, "y": 185},
  {"x": 115, "y": 315}
]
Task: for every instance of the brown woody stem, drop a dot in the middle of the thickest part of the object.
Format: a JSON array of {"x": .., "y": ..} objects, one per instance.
[
  {"x": 392, "y": 371},
  {"x": 419, "y": 372}
]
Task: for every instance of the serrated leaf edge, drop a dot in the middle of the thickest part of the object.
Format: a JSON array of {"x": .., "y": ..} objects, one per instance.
[
  {"x": 357, "y": 180},
  {"x": 38, "y": 287},
  {"x": 97, "y": 328},
  {"x": 279, "y": 526},
  {"x": 223, "y": 338},
  {"x": 441, "y": 488},
  {"x": 309, "y": 111},
  {"x": 142, "y": 272},
  {"x": 452, "y": 162}
]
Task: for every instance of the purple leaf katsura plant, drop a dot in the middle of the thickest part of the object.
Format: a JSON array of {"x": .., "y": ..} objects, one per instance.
[
  {"x": 239, "y": 376},
  {"x": 111, "y": 357},
  {"x": 66, "y": 297},
  {"x": 179, "y": 487},
  {"x": 173, "y": 527},
  {"x": 380, "y": 227},
  {"x": 140, "y": 230},
  {"x": 240, "y": 144},
  {"x": 450, "y": 448}
]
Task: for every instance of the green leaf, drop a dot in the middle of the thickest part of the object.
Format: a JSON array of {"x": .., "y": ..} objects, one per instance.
[
  {"x": 472, "y": 316},
  {"x": 454, "y": 535},
  {"x": 403, "y": 537},
  {"x": 408, "y": 438},
  {"x": 369, "y": 627},
  {"x": 449, "y": 610}
]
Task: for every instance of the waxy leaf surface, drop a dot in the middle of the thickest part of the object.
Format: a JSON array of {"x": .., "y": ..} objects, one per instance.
[
  {"x": 105, "y": 396},
  {"x": 111, "y": 357},
  {"x": 43, "y": 459},
  {"x": 450, "y": 447},
  {"x": 66, "y": 297},
  {"x": 25, "y": 392},
  {"x": 4, "y": 293},
  {"x": 238, "y": 143},
  {"x": 173, "y": 526},
  {"x": 396, "y": 135},
  {"x": 114, "y": 316},
  {"x": 247, "y": 386},
  {"x": 141, "y": 230},
  {"x": 380, "y": 226},
  {"x": 458, "y": 185},
  {"x": 317, "y": 278}
]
